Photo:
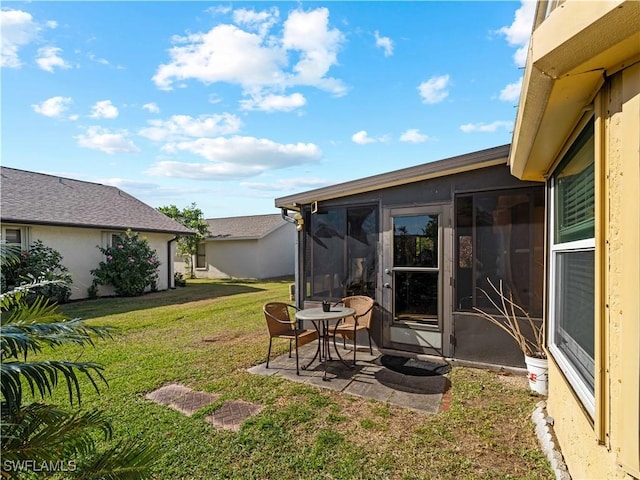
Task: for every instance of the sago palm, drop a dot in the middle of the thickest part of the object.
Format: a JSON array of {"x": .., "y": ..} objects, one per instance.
[{"x": 36, "y": 434}]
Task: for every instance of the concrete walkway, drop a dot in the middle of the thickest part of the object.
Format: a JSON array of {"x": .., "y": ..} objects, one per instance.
[
  {"x": 420, "y": 388},
  {"x": 414, "y": 384}
]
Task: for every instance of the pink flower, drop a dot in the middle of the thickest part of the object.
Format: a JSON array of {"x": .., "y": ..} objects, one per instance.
[
  {"x": 131, "y": 259},
  {"x": 120, "y": 247},
  {"x": 109, "y": 257}
]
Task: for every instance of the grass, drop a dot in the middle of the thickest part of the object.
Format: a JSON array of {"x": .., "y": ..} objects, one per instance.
[{"x": 206, "y": 335}]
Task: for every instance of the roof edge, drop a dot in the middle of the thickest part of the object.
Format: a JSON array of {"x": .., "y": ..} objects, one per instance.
[
  {"x": 246, "y": 237},
  {"x": 20, "y": 221},
  {"x": 439, "y": 168}
]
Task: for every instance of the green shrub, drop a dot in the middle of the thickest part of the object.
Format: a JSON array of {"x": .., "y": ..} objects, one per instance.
[
  {"x": 178, "y": 280},
  {"x": 39, "y": 262},
  {"x": 130, "y": 266}
]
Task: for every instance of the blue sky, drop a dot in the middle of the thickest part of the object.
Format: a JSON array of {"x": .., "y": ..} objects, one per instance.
[{"x": 233, "y": 104}]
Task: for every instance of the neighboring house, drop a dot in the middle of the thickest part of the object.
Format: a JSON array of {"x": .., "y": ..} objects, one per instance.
[
  {"x": 578, "y": 129},
  {"x": 74, "y": 217},
  {"x": 255, "y": 246},
  {"x": 422, "y": 241}
]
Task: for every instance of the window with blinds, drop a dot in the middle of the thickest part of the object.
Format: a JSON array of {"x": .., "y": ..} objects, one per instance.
[
  {"x": 572, "y": 260},
  {"x": 574, "y": 311},
  {"x": 574, "y": 192}
]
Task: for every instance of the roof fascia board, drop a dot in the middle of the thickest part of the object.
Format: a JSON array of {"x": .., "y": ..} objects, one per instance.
[
  {"x": 570, "y": 52},
  {"x": 27, "y": 223}
]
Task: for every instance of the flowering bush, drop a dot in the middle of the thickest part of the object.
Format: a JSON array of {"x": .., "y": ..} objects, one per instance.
[
  {"x": 130, "y": 266},
  {"x": 39, "y": 263}
]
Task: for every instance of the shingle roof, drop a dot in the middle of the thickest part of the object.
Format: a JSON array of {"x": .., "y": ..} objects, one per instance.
[
  {"x": 248, "y": 227},
  {"x": 36, "y": 198}
]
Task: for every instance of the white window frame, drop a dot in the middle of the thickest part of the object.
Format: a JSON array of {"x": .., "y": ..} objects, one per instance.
[
  {"x": 581, "y": 388},
  {"x": 584, "y": 392},
  {"x": 202, "y": 245},
  {"x": 24, "y": 234}
]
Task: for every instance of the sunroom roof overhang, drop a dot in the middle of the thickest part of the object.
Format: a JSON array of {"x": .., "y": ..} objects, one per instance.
[{"x": 450, "y": 166}]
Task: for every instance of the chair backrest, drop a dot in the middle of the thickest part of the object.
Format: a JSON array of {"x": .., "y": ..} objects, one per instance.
[
  {"x": 278, "y": 318},
  {"x": 363, "y": 306}
]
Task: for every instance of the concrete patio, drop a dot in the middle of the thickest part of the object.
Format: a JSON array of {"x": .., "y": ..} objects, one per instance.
[{"x": 417, "y": 384}]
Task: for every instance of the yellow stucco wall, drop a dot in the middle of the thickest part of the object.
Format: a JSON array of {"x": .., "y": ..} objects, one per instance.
[
  {"x": 585, "y": 459},
  {"x": 607, "y": 447}
]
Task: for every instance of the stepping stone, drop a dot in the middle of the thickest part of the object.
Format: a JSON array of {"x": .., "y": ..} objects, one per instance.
[
  {"x": 182, "y": 398},
  {"x": 191, "y": 402},
  {"x": 167, "y": 394},
  {"x": 232, "y": 413}
]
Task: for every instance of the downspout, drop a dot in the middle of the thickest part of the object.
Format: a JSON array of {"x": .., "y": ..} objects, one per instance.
[
  {"x": 296, "y": 270},
  {"x": 170, "y": 279}
]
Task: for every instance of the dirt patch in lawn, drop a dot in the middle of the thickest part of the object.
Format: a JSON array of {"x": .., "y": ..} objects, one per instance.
[{"x": 475, "y": 438}]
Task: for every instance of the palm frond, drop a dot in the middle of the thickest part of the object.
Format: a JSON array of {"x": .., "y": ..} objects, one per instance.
[
  {"x": 46, "y": 433},
  {"x": 43, "y": 377},
  {"x": 19, "y": 338},
  {"x": 10, "y": 253},
  {"x": 41, "y": 310},
  {"x": 128, "y": 460}
]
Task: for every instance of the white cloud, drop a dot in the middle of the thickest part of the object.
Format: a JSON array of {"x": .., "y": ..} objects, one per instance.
[
  {"x": 52, "y": 107},
  {"x": 235, "y": 157},
  {"x": 272, "y": 103},
  {"x": 362, "y": 138},
  {"x": 318, "y": 46},
  {"x": 128, "y": 185},
  {"x": 49, "y": 58},
  {"x": 151, "y": 107},
  {"x": 104, "y": 109},
  {"x": 487, "y": 127},
  {"x": 102, "y": 139},
  {"x": 223, "y": 54},
  {"x": 286, "y": 184},
  {"x": 254, "y": 59},
  {"x": 434, "y": 90},
  {"x": 249, "y": 150},
  {"x": 519, "y": 32},
  {"x": 202, "y": 171},
  {"x": 385, "y": 43},
  {"x": 413, "y": 135},
  {"x": 511, "y": 93},
  {"x": 180, "y": 127},
  {"x": 257, "y": 21},
  {"x": 17, "y": 29}
]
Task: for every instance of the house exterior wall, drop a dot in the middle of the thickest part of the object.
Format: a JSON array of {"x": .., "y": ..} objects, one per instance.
[
  {"x": 270, "y": 256},
  {"x": 277, "y": 252},
  {"x": 80, "y": 255},
  {"x": 607, "y": 446},
  {"x": 605, "y": 443}
]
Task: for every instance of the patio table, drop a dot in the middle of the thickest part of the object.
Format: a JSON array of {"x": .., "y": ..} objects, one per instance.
[{"x": 321, "y": 320}]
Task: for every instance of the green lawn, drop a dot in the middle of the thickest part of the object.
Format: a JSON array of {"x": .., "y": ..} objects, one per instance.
[{"x": 205, "y": 336}]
